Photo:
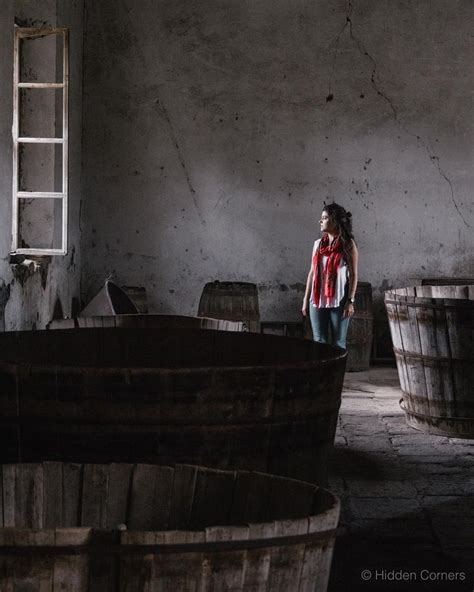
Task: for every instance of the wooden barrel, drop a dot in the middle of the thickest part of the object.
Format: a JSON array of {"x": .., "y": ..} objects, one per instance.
[
  {"x": 234, "y": 301},
  {"x": 147, "y": 321},
  {"x": 143, "y": 527},
  {"x": 360, "y": 334},
  {"x": 217, "y": 398},
  {"x": 432, "y": 331}
]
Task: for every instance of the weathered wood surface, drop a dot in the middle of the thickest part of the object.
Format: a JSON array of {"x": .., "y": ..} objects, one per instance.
[
  {"x": 433, "y": 334},
  {"x": 360, "y": 334},
  {"x": 234, "y": 301},
  {"x": 240, "y": 530},
  {"x": 224, "y": 399}
]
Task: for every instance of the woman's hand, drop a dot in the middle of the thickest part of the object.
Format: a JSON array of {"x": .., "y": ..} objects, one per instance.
[
  {"x": 304, "y": 308},
  {"x": 348, "y": 310}
]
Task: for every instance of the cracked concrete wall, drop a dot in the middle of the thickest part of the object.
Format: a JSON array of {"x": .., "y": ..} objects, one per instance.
[
  {"x": 215, "y": 131},
  {"x": 30, "y": 295}
]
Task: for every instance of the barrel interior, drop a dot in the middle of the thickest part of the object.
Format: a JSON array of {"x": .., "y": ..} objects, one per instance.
[
  {"x": 150, "y": 497},
  {"x": 170, "y": 348},
  {"x": 146, "y": 527}
]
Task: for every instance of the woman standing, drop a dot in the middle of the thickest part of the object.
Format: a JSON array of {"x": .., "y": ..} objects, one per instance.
[{"x": 332, "y": 279}]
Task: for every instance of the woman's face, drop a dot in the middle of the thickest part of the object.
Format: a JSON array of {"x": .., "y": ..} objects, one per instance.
[{"x": 326, "y": 224}]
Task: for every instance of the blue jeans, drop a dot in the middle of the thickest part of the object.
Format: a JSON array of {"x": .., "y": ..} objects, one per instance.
[{"x": 322, "y": 318}]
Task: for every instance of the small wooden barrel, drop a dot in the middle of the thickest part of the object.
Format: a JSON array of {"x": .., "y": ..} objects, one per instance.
[
  {"x": 361, "y": 330},
  {"x": 218, "y": 398},
  {"x": 432, "y": 331},
  {"x": 143, "y": 527},
  {"x": 147, "y": 321},
  {"x": 234, "y": 301}
]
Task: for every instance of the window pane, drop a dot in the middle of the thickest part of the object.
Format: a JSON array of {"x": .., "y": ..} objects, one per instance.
[
  {"x": 40, "y": 223},
  {"x": 40, "y": 167},
  {"x": 41, "y": 58},
  {"x": 41, "y": 112}
]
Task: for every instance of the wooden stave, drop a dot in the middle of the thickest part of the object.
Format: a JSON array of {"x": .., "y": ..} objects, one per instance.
[
  {"x": 434, "y": 379},
  {"x": 200, "y": 554}
]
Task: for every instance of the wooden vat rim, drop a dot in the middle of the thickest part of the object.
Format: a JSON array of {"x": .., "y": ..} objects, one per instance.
[{"x": 398, "y": 295}]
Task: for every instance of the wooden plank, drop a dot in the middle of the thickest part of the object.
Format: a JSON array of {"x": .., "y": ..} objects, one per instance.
[
  {"x": 103, "y": 569},
  {"x": 29, "y": 496},
  {"x": 94, "y": 495},
  {"x": 251, "y": 497},
  {"x": 182, "y": 496},
  {"x": 151, "y": 497},
  {"x": 71, "y": 495},
  {"x": 225, "y": 570},
  {"x": 71, "y": 572},
  {"x": 212, "y": 498},
  {"x": 28, "y": 572},
  {"x": 9, "y": 482},
  {"x": 318, "y": 555},
  {"x": 53, "y": 494},
  {"x": 136, "y": 571},
  {"x": 287, "y": 561},
  {"x": 119, "y": 490},
  {"x": 1, "y": 496},
  {"x": 257, "y": 563},
  {"x": 290, "y": 499}
]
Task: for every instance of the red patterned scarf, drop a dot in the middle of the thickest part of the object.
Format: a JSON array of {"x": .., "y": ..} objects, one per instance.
[{"x": 326, "y": 277}]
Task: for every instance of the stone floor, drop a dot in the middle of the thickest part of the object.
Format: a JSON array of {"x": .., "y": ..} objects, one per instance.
[{"x": 407, "y": 519}]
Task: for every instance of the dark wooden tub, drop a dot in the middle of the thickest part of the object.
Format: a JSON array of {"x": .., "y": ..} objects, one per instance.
[
  {"x": 124, "y": 527},
  {"x": 432, "y": 330},
  {"x": 217, "y": 398}
]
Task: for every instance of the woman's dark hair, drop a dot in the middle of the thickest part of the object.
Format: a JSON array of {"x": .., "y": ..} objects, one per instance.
[{"x": 342, "y": 219}]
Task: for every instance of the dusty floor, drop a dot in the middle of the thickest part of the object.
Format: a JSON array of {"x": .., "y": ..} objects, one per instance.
[{"x": 407, "y": 498}]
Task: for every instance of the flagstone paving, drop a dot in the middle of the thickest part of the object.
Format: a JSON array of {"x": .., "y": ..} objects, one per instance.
[{"x": 407, "y": 520}]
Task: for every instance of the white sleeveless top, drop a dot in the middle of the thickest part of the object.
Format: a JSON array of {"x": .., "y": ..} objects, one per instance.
[{"x": 341, "y": 282}]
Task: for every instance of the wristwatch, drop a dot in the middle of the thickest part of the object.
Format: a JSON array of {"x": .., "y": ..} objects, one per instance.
[{"x": 351, "y": 300}]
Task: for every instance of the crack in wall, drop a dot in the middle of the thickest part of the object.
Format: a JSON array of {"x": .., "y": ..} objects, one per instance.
[
  {"x": 336, "y": 47},
  {"x": 434, "y": 160},
  {"x": 174, "y": 139}
]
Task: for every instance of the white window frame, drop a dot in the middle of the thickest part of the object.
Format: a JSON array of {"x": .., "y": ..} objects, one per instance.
[{"x": 21, "y": 33}]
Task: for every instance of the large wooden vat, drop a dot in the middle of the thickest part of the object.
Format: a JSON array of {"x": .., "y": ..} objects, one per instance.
[
  {"x": 360, "y": 334},
  {"x": 223, "y": 399},
  {"x": 432, "y": 330},
  {"x": 147, "y": 321},
  {"x": 123, "y": 527},
  {"x": 234, "y": 301}
]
